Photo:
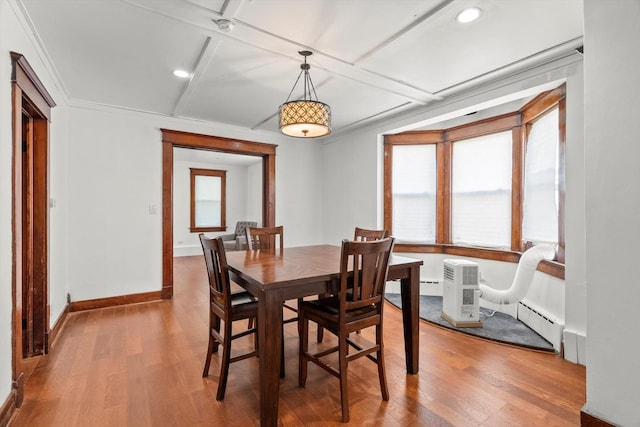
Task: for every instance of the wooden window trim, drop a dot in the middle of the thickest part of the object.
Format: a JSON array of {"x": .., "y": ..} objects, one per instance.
[
  {"x": 483, "y": 127},
  {"x": 517, "y": 187},
  {"x": 518, "y": 123},
  {"x": 194, "y": 172}
]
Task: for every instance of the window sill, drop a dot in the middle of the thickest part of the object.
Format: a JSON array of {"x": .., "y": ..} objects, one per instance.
[{"x": 206, "y": 229}]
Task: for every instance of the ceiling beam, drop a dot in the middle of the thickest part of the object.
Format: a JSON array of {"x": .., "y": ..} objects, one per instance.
[{"x": 206, "y": 54}]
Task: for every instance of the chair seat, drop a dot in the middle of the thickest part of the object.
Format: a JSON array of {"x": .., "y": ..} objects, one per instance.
[
  {"x": 243, "y": 305},
  {"x": 327, "y": 311},
  {"x": 243, "y": 297}
]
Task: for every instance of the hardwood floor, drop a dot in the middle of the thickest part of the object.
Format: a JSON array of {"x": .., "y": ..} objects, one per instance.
[{"x": 141, "y": 365}]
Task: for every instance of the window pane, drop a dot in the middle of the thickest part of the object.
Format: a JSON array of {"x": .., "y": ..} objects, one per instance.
[
  {"x": 540, "y": 219},
  {"x": 414, "y": 193},
  {"x": 207, "y": 200},
  {"x": 481, "y": 191}
]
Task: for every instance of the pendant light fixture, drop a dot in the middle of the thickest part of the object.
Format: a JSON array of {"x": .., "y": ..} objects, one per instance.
[{"x": 306, "y": 117}]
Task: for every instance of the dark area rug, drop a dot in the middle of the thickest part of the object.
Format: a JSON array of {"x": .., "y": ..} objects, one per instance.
[{"x": 498, "y": 327}]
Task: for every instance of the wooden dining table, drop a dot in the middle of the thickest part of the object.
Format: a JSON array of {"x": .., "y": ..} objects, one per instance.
[{"x": 284, "y": 274}]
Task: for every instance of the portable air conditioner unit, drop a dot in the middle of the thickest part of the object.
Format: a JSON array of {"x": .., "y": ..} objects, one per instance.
[{"x": 460, "y": 293}]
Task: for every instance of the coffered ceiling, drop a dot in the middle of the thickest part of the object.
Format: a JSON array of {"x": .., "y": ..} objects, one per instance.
[{"x": 371, "y": 58}]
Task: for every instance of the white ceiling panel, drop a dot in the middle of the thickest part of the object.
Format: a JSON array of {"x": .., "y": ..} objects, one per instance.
[
  {"x": 443, "y": 52},
  {"x": 244, "y": 89},
  {"x": 343, "y": 94},
  {"x": 342, "y": 29},
  {"x": 113, "y": 53}
]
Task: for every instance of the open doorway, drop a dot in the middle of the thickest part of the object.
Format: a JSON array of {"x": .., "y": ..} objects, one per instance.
[
  {"x": 172, "y": 139},
  {"x": 218, "y": 204}
]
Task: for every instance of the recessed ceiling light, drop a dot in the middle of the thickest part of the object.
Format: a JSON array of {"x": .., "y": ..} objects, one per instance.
[
  {"x": 468, "y": 15},
  {"x": 181, "y": 73}
]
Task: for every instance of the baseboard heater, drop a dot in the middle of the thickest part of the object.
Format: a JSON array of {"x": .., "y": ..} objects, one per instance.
[{"x": 550, "y": 329}]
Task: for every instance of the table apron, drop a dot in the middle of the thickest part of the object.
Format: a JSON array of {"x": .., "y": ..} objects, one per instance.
[{"x": 286, "y": 291}]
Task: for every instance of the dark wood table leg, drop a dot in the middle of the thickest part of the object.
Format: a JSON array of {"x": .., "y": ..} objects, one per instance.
[
  {"x": 270, "y": 352},
  {"x": 410, "y": 294}
]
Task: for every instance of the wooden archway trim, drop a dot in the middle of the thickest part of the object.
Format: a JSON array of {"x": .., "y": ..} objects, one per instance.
[{"x": 174, "y": 138}]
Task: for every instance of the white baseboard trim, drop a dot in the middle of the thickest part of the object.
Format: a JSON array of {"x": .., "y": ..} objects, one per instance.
[
  {"x": 574, "y": 346},
  {"x": 427, "y": 287}
]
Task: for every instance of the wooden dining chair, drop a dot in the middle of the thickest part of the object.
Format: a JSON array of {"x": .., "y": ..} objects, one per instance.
[
  {"x": 358, "y": 305},
  {"x": 362, "y": 234},
  {"x": 270, "y": 239},
  {"x": 265, "y": 238},
  {"x": 225, "y": 306}
]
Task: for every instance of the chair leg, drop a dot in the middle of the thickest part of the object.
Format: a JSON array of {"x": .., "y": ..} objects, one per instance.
[
  {"x": 380, "y": 360},
  {"x": 300, "y": 300},
  {"x": 207, "y": 361},
  {"x": 282, "y": 353},
  {"x": 224, "y": 364},
  {"x": 344, "y": 396},
  {"x": 214, "y": 323},
  {"x": 216, "y": 326},
  {"x": 303, "y": 328},
  {"x": 255, "y": 337},
  {"x": 320, "y": 332}
]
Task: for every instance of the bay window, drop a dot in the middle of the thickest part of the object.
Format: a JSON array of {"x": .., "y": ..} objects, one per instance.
[{"x": 487, "y": 189}]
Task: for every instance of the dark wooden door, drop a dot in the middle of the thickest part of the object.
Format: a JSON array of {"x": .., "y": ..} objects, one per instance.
[
  {"x": 31, "y": 114},
  {"x": 34, "y": 233}
]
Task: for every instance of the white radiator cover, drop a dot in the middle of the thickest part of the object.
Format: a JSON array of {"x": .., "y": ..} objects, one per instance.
[{"x": 546, "y": 326}]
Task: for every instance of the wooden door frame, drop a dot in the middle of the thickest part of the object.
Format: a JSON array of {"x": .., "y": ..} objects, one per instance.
[
  {"x": 29, "y": 99},
  {"x": 173, "y": 138}
]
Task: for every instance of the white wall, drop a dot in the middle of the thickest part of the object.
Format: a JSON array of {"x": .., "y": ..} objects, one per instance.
[
  {"x": 300, "y": 178},
  {"x": 612, "y": 209},
  {"x": 115, "y": 170},
  {"x": 351, "y": 179},
  {"x": 254, "y": 192},
  {"x": 58, "y": 286},
  {"x": 574, "y": 225},
  {"x": 6, "y": 21}
]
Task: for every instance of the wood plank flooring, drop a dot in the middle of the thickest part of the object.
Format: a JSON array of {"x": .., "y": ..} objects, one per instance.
[{"x": 140, "y": 365}]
